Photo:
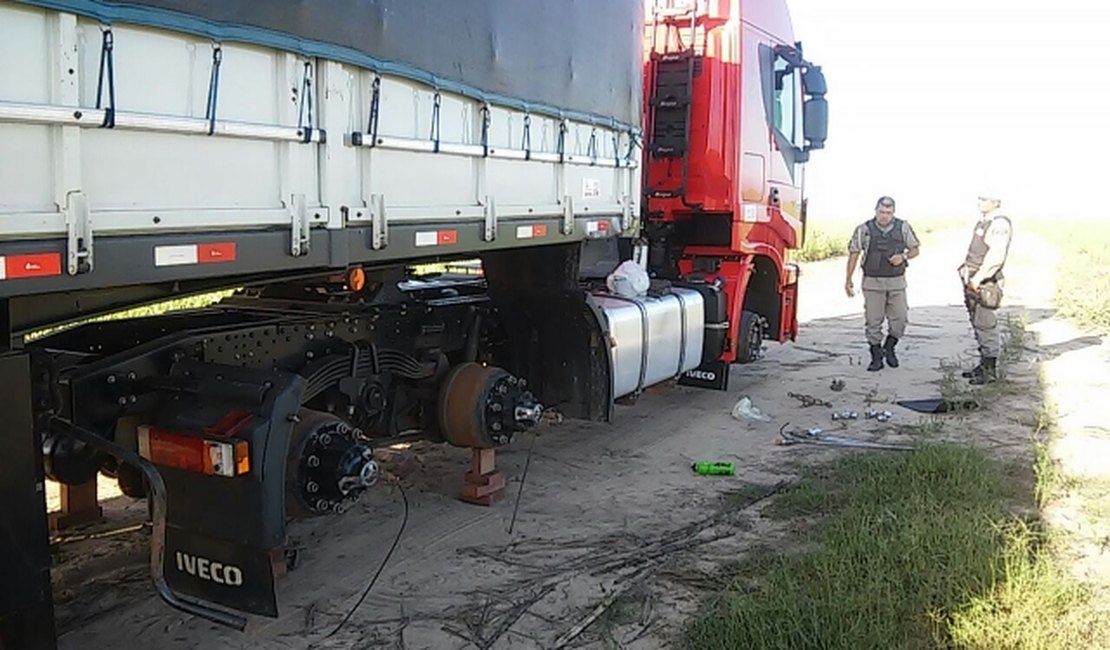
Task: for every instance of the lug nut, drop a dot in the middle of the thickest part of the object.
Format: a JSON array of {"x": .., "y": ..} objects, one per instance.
[
  {"x": 313, "y": 461},
  {"x": 496, "y": 407},
  {"x": 325, "y": 439},
  {"x": 312, "y": 487}
]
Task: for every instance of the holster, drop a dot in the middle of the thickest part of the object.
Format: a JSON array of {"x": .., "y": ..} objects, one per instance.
[{"x": 989, "y": 294}]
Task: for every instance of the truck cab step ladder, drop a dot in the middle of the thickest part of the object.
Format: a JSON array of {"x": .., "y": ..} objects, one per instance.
[{"x": 675, "y": 63}]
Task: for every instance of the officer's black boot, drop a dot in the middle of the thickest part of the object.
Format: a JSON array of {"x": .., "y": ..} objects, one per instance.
[
  {"x": 888, "y": 348},
  {"x": 876, "y": 358},
  {"x": 986, "y": 372},
  {"x": 968, "y": 374}
]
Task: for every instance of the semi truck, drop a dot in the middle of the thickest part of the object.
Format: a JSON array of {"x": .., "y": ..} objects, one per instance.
[{"x": 305, "y": 166}]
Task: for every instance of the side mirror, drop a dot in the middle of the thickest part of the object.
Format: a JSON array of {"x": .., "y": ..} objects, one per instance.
[
  {"x": 814, "y": 80},
  {"x": 816, "y": 122},
  {"x": 816, "y": 115}
]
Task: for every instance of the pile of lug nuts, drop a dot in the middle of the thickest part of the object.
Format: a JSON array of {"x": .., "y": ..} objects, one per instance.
[{"x": 870, "y": 414}]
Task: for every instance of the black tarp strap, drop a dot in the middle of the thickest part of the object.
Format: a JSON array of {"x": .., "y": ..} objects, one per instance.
[
  {"x": 435, "y": 121},
  {"x": 304, "y": 112},
  {"x": 485, "y": 129},
  {"x": 632, "y": 142},
  {"x": 526, "y": 143},
  {"x": 213, "y": 88},
  {"x": 375, "y": 109},
  {"x": 562, "y": 140},
  {"x": 107, "y": 77},
  {"x": 591, "y": 148},
  {"x": 617, "y": 148}
]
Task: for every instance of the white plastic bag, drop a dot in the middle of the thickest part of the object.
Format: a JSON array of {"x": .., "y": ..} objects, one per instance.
[
  {"x": 629, "y": 280},
  {"x": 744, "y": 409}
]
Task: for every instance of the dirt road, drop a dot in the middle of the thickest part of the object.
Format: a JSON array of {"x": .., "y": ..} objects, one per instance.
[{"x": 604, "y": 506}]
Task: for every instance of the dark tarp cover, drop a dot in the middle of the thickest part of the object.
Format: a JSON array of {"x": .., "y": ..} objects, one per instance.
[{"x": 580, "y": 57}]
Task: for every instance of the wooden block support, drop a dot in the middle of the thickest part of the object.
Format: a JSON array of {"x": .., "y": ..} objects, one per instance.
[
  {"x": 279, "y": 562},
  {"x": 484, "y": 483},
  {"x": 79, "y": 507}
]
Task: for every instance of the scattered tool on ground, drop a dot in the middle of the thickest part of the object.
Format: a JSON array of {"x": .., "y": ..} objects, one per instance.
[
  {"x": 837, "y": 385},
  {"x": 817, "y": 436},
  {"x": 845, "y": 415},
  {"x": 809, "y": 400}
]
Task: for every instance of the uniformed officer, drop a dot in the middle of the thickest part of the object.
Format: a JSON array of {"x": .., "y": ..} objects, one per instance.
[
  {"x": 983, "y": 281},
  {"x": 887, "y": 244}
]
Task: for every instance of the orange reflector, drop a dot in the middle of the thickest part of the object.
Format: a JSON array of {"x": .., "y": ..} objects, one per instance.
[
  {"x": 356, "y": 279},
  {"x": 194, "y": 454},
  {"x": 242, "y": 457}
]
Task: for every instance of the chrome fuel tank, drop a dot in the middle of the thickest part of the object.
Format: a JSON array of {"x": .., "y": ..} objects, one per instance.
[{"x": 653, "y": 338}]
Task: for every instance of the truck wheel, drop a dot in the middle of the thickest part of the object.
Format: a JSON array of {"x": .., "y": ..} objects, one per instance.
[{"x": 750, "y": 345}]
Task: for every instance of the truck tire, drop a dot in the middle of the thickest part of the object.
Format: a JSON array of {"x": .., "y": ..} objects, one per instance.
[{"x": 750, "y": 346}]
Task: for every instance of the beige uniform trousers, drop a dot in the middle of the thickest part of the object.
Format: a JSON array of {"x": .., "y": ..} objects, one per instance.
[
  {"x": 884, "y": 298},
  {"x": 985, "y": 323}
]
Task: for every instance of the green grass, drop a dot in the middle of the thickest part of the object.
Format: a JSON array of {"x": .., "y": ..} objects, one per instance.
[
  {"x": 1083, "y": 278},
  {"x": 913, "y": 551},
  {"x": 829, "y": 239},
  {"x": 824, "y": 243}
]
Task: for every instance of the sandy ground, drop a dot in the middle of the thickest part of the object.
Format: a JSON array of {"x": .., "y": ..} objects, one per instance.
[{"x": 612, "y": 513}]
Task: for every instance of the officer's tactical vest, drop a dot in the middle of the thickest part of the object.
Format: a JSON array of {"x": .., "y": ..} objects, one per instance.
[
  {"x": 880, "y": 248},
  {"x": 977, "y": 250}
]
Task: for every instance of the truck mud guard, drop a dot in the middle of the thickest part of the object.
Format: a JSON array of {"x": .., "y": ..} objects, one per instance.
[{"x": 158, "y": 506}]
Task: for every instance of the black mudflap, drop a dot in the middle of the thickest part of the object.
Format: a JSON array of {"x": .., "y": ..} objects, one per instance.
[
  {"x": 233, "y": 575},
  {"x": 222, "y": 531},
  {"x": 712, "y": 375}
]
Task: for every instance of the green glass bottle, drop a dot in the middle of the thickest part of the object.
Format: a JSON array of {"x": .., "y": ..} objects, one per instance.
[{"x": 715, "y": 468}]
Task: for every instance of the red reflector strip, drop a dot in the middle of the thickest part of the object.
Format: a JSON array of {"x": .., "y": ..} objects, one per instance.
[
  {"x": 531, "y": 232},
  {"x": 437, "y": 238},
  {"x": 35, "y": 265},
  {"x": 216, "y": 253},
  {"x": 194, "y": 254},
  {"x": 597, "y": 227}
]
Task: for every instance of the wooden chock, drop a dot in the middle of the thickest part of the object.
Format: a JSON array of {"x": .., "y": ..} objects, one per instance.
[
  {"x": 484, "y": 483},
  {"x": 80, "y": 507}
]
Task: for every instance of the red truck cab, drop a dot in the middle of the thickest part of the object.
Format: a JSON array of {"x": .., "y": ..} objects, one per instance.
[{"x": 731, "y": 111}]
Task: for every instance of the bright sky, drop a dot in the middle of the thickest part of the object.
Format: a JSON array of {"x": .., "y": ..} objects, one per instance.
[{"x": 933, "y": 102}]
